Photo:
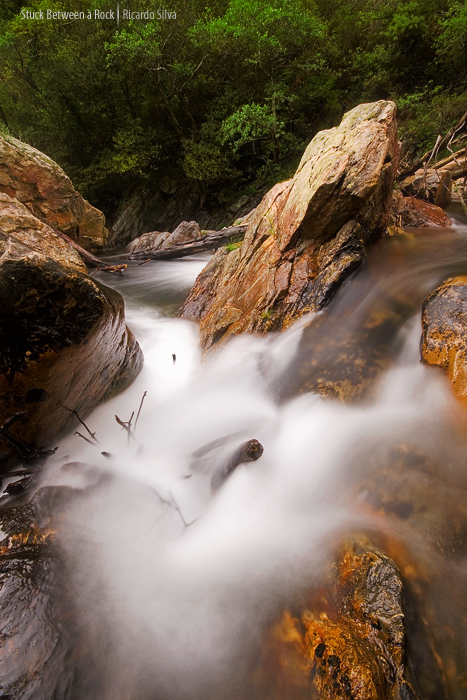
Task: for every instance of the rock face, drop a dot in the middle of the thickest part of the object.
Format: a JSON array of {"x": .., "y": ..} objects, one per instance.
[
  {"x": 410, "y": 212},
  {"x": 163, "y": 207},
  {"x": 42, "y": 186},
  {"x": 63, "y": 339},
  {"x": 308, "y": 234},
  {"x": 186, "y": 231},
  {"x": 444, "y": 339}
]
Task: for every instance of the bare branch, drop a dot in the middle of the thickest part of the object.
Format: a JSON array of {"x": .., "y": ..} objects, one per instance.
[
  {"x": 92, "y": 435},
  {"x": 139, "y": 409},
  {"x": 85, "y": 438}
]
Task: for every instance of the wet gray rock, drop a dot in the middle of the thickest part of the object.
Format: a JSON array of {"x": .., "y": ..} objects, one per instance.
[{"x": 152, "y": 240}]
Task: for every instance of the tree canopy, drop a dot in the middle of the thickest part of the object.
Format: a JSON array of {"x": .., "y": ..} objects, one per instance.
[{"x": 225, "y": 91}]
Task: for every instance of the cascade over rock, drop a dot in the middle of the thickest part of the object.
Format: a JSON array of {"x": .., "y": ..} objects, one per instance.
[
  {"x": 63, "y": 339},
  {"x": 42, "y": 186},
  {"x": 308, "y": 233}
]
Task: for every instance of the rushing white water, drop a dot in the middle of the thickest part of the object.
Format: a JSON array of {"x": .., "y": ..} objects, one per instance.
[{"x": 177, "y": 611}]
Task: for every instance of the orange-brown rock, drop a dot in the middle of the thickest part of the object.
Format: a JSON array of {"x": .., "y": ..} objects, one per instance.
[
  {"x": 358, "y": 650},
  {"x": 308, "y": 234},
  {"x": 444, "y": 340},
  {"x": 63, "y": 339},
  {"x": 41, "y": 185},
  {"x": 410, "y": 212}
]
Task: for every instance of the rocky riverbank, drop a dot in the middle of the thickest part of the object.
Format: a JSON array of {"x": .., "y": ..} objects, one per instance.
[{"x": 64, "y": 345}]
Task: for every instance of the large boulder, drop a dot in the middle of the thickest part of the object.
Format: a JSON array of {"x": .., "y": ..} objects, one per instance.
[
  {"x": 308, "y": 234},
  {"x": 42, "y": 186},
  {"x": 152, "y": 240},
  {"x": 444, "y": 339},
  {"x": 63, "y": 340},
  {"x": 184, "y": 233}
]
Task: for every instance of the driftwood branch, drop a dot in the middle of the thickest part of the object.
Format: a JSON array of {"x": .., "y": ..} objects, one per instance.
[
  {"x": 139, "y": 409},
  {"x": 441, "y": 144},
  {"x": 84, "y": 438},
  {"x": 29, "y": 456},
  {"x": 210, "y": 241},
  {"x": 75, "y": 413},
  {"x": 87, "y": 257},
  {"x": 126, "y": 425}
]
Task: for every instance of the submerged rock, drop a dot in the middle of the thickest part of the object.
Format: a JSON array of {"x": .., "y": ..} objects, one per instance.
[
  {"x": 63, "y": 340},
  {"x": 361, "y": 654},
  {"x": 355, "y": 640},
  {"x": 444, "y": 339},
  {"x": 307, "y": 235},
  {"x": 41, "y": 185}
]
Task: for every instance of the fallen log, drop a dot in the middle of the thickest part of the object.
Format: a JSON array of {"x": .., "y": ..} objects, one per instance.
[
  {"x": 457, "y": 168},
  {"x": 210, "y": 241},
  {"x": 449, "y": 159},
  {"x": 222, "y": 463},
  {"x": 87, "y": 257}
]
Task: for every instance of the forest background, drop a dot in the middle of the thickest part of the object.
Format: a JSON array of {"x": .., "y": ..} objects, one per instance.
[{"x": 227, "y": 94}]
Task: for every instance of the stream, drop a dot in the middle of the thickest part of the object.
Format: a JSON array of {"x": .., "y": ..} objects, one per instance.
[{"x": 176, "y": 586}]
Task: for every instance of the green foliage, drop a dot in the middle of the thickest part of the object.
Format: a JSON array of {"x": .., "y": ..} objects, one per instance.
[
  {"x": 452, "y": 42},
  {"x": 204, "y": 162},
  {"x": 227, "y": 91},
  {"x": 233, "y": 245}
]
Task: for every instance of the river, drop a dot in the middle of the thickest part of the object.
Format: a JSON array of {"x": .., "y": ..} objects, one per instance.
[{"x": 176, "y": 585}]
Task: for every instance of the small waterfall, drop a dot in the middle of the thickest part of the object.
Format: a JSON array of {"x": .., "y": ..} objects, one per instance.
[{"x": 176, "y": 585}]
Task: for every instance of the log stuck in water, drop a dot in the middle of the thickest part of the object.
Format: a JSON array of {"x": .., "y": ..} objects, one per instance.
[
  {"x": 210, "y": 241},
  {"x": 221, "y": 466}
]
